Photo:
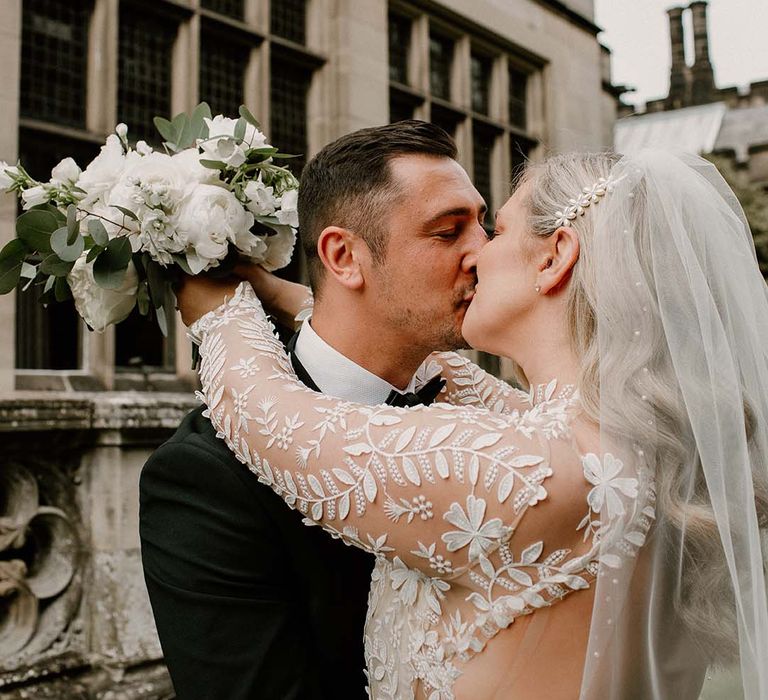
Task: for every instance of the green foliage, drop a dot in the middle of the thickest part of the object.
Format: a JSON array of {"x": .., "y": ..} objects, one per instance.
[
  {"x": 67, "y": 250},
  {"x": 11, "y": 260},
  {"x": 35, "y": 227},
  {"x": 184, "y": 130},
  {"x": 109, "y": 268}
]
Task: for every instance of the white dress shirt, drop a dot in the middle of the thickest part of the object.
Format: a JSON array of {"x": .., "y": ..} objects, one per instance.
[{"x": 337, "y": 375}]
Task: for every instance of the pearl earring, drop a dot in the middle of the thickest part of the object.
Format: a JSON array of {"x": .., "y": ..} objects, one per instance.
[{"x": 537, "y": 288}]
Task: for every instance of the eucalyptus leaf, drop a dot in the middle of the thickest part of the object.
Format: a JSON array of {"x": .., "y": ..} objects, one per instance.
[
  {"x": 14, "y": 251},
  {"x": 94, "y": 253},
  {"x": 53, "y": 265},
  {"x": 285, "y": 156},
  {"x": 142, "y": 298},
  {"x": 11, "y": 260},
  {"x": 162, "y": 321},
  {"x": 156, "y": 282},
  {"x": 126, "y": 212},
  {"x": 166, "y": 129},
  {"x": 28, "y": 271},
  {"x": 245, "y": 113},
  {"x": 68, "y": 252},
  {"x": 47, "y": 206},
  {"x": 61, "y": 289},
  {"x": 73, "y": 225},
  {"x": 98, "y": 232},
  {"x": 109, "y": 268},
  {"x": 49, "y": 284},
  {"x": 35, "y": 227},
  {"x": 213, "y": 164},
  {"x": 181, "y": 261},
  {"x": 194, "y": 126},
  {"x": 240, "y": 127}
]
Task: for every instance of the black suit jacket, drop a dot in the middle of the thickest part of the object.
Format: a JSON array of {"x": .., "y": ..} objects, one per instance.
[{"x": 249, "y": 602}]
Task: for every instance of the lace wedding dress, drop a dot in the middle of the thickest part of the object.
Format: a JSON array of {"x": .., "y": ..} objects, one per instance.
[{"x": 446, "y": 497}]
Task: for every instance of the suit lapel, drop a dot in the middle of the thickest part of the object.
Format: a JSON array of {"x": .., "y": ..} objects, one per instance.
[{"x": 301, "y": 373}]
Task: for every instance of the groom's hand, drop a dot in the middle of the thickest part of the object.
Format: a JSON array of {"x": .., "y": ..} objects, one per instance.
[{"x": 196, "y": 296}]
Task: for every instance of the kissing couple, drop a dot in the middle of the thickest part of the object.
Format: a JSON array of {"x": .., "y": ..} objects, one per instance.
[{"x": 595, "y": 534}]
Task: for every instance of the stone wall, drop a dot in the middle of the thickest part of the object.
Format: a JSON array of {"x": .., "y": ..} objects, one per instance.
[{"x": 75, "y": 620}]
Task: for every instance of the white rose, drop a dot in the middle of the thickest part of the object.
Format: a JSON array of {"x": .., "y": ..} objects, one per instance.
[
  {"x": 7, "y": 175},
  {"x": 143, "y": 148},
  {"x": 220, "y": 144},
  {"x": 279, "y": 249},
  {"x": 288, "y": 214},
  {"x": 262, "y": 201},
  {"x": 103, "y": 171},
  {"x": 188, "y": 161},
  {"x": 66, "y": 172},
  {"x": 39, "y": 194},
  {"x": 209, "y": 219},
  {"x": 101, "y": 307}
]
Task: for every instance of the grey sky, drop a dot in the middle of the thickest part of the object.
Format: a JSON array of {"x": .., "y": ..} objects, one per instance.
[{"x": 637, "y": 32}]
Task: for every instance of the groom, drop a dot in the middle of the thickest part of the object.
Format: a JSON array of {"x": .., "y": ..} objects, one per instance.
[{"x": 249, "y": 602}]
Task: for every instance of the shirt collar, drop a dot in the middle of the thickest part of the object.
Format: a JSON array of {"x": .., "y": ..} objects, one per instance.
[{"x": 337, "y": 375}]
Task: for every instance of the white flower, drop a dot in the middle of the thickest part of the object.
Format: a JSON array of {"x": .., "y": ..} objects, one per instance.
[
  {"x": 7, "y": 175},
  {"x": 221, "y": 144},
  {"x": 188, "y": 161},
  {"x": 121, "y": 130},
  {"x": 288, "y": 214},
  {"x": 209, "y": 218},
  {"x": 471, "y": 531},
  {"x": 143, "y": 148},
  {"x": 603, "y": 475},
  {"x": 39, "y": 194},
  {"x": 404, "y": 580},
  {"x": 261, "y": 199},
  {"x": 278, "y": 249},
  {"x": 66, "y": 172},
  {"x": 101, "y": 307},
  {"x": 103, "y": 171}
]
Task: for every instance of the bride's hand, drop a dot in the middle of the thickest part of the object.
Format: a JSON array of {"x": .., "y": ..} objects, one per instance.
[
  {"x": 196, "y": 296},
  {"x": 280, "y": 298}
]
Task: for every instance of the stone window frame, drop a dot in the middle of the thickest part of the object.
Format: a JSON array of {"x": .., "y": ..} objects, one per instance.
[{"x": 97, "y": 369}]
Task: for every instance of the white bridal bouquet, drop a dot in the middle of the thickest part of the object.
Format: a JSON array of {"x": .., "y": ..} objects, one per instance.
[{"x": 120, "y": 232}]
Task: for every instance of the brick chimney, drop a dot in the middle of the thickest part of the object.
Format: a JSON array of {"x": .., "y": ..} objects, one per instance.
[
  {"x": 679, "y": 75},
  {"x": 702, "y": 75}
]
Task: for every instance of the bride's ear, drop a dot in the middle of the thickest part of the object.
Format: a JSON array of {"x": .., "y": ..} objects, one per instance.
[
  {"x": 340, "y": 251},
  {"x": 560, "y": 255}
]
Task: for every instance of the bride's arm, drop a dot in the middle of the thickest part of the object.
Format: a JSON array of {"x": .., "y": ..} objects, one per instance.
[
  {"x": 434, "y": 486},
  {"x": 466, "y": 383}
]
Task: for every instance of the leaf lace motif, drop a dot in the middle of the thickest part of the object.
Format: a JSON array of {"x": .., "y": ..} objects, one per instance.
[{"x": 434, "y": 493}]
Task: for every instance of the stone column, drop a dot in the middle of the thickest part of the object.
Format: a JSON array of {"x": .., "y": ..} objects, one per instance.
[
  {"x": 10, "y": 59},
  {"x": 702, "y": 75},
  {"x": 678, "y": 72}
]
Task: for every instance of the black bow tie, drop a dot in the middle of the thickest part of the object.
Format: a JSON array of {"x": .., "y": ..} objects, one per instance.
[{"x": 424, "y": 396}]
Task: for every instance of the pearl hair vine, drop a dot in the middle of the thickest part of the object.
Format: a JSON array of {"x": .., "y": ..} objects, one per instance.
[{"x": 588, "y": 196}]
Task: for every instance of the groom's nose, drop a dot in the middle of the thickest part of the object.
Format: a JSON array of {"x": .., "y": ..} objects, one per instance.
[{"x": 476, "y": 240}]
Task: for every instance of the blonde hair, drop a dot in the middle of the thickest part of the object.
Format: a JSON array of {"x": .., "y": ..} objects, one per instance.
[{"x": 645, "y": 383}]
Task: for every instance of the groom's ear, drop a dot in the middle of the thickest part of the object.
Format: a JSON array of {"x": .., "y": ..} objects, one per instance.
[{"x": 341, "y": 252}]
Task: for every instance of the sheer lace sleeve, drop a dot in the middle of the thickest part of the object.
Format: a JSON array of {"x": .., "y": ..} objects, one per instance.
[
  {"x": 470, "y": 385},
  {"x": 429, "y": 485}
]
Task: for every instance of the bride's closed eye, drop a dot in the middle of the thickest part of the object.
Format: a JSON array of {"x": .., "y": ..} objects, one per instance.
[{"x": 490, "y": 234}]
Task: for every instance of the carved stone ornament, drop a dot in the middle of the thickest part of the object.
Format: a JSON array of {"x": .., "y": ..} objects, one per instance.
[{"x": 39, "y": 557}]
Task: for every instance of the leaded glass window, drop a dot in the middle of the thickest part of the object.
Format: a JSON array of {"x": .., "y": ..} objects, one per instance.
[
  {"x": 48, "y": 338},
  {"x": 288, "y": 115},
  {"x": 447, "y": 119},
  {"x": 480, "y": 67},
  {"x": 222, "y": 73},
  {"x": 518, "y": 82},
  {"x": 139, "y": 343},
  {"x": 399, "y": 108},
  {"x": 483, "y": 141},
  {"x": 399, "y": 45},
  {"x": 440, "y": 64},
  {"x": 54, "y": 53},
  {"x": 144, "y": 71},
  {"x": 230, "y": 8},
  {"x": 289, "y": 19}
]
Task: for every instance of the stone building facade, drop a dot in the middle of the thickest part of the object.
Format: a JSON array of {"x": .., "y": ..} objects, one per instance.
[
  {"x": 696, "y": 113},
  {"x": 80, "y": 412}
]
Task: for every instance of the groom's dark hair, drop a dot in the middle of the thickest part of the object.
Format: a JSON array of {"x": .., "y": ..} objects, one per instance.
[{"x": 349, "y": 184}]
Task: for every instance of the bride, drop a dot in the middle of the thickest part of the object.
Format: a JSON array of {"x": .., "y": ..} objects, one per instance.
[{"x": 598, "y": 536}]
